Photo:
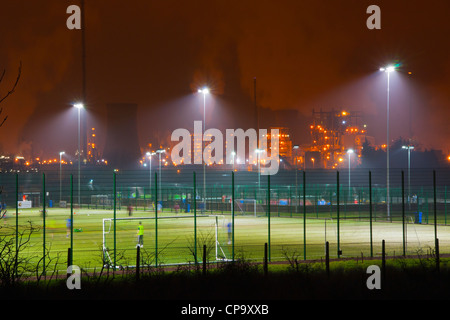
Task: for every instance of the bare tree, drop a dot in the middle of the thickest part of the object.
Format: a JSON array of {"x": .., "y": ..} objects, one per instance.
[
  {"x": 11, "y": 91},
  {"x": 15, "y": 264}
]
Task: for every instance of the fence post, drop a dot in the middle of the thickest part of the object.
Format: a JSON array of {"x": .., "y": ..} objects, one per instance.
[
  {"x": 17, "y": 213},
  {"x": 156, "y": 219},
  {"x": 138, "y": 261},
  {"x": 114, "y": 213},
  {"x": 338, "y": 217},
  {"x": 195, "y": 219},
  {"x": 43, "y": 221},
  {"x": 71, "y": 218},
  {"x": 370, "y": 213},
  {"x": 268, "y": 214},
  {"x": 435, "y": 204},
  {"x": 327, "y": 258},
  {"x": 304, "y": 215},
  {"x": 232, "y": 216},
  {"x": 69, "y": 261},
  {"x": 403, "y": 213},
  {"x": 383, "y": 259},
  {"x": 69, "y": 257},
  {"x": 436, "y": 242},
  {"x": 445, "y": 205},
  {"x": 265, "y": 260},
  {"x": 204, "y": 259}
]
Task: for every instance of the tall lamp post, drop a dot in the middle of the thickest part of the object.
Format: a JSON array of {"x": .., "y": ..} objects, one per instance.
[
  {"x": 349, "y": 152},
  {"x": 159, "y": 152},
  {"x": 204, "y": 91},
  {"x": 296, "y": 147},
  {"x": 258, "y": 152},
  {"x": 234, "y": 158},
  {"x": 60, "y": 175},
  {"x": 79, "y": 106},
  {"x": 149, "y": 155},
  {"x": 409, "y": 148},
  {"x": 388, "y": 71}
]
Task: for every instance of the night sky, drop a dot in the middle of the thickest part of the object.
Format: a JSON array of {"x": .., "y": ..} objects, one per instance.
[{"x": 304, "y": 55}]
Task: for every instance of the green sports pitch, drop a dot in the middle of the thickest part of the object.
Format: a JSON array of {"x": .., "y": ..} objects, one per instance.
[{"x": 96, "y": 238}]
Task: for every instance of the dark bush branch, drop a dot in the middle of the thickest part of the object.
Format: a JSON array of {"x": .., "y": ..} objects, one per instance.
[
  {"x": 15, "y": 84},
  {"x": 10, "y": 91}
]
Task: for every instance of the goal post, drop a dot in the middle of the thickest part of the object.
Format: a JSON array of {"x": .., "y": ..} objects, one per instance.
[
  {"x": 249, "y": 207},
  {"x": 171, "y": 238}
]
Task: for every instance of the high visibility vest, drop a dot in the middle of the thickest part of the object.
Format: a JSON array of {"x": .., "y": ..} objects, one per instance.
[{"x": 141, "y": 230}]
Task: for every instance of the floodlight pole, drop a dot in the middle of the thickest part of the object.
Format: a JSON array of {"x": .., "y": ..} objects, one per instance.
[
  {"x": 60, "y": 175},
  {"x": 409, "y": 148},
  {"x": 160, "y": 187},
  {"x": 79, "y": 106},
  {"x": 388, "y": 70},
  {"x": 349, "y": 152},
  {"x": 258, "y": 151},
  {"x": 79, "y": 159},
  {"x": 296, "y": 170},
  {"x": 204, "y": 91},
  {"x": 387, "y": 153},
  {"x": 150, "y": 154}
]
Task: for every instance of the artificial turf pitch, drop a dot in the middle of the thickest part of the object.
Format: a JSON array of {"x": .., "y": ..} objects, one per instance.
[{"x": 172, "y": 240}]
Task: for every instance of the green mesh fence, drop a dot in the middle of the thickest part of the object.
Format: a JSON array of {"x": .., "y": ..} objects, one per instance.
[{"x": 295, "y": 212}]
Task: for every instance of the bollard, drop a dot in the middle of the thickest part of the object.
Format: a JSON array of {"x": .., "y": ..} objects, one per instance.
[{"x": 327, "y": 258}]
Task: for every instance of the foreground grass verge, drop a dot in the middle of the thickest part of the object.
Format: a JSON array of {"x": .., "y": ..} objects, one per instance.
[{"x": 242, "y": 280}]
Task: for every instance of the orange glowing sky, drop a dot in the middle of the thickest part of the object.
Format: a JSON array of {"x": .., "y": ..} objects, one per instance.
[{"x": 304, "y": 55}]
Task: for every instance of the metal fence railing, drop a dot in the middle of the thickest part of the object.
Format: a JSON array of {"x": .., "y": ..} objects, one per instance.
[{"x": 293, "y": 212}]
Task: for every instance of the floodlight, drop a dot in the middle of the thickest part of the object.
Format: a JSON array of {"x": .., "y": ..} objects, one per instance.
[
  {"x": 388, "y": 69},
  {"x": 204, "y": 90}
]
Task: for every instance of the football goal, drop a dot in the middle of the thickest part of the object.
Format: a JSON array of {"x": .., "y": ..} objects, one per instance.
[
  {"x": 249, "y": 207},
  {"x": 168, "y": 240}
]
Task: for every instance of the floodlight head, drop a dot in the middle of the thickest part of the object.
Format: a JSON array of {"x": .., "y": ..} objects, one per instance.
[
  {"x": 204, "y": 90},
  {"x": 388, "y": 69},
  {"x": 61, "y": 153},
  {"x": 350, "y": 151},
  {"x": 79, "y": 105}
]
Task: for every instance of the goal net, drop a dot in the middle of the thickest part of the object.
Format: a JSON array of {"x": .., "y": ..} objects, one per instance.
[
  {"x": 166, "y": 240},
  {"x": 249, "y": 207}
]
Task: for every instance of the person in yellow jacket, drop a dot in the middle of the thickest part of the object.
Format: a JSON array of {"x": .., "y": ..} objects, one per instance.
[{"x": 140, "y": 233}]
